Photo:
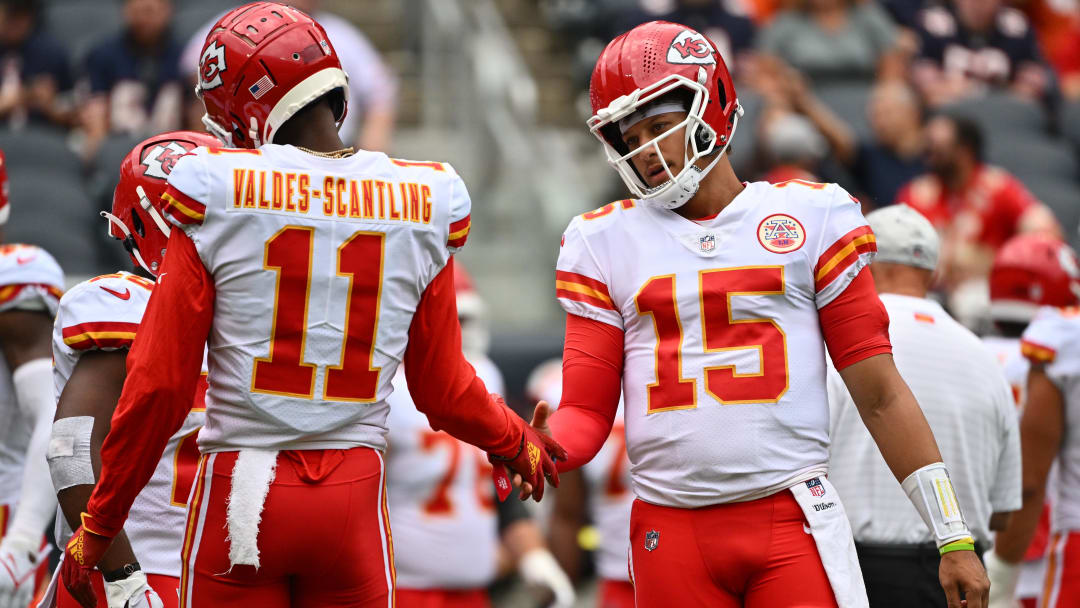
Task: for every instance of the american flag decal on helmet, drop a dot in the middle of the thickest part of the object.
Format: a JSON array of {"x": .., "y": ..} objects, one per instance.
[{"x": 261, "y": 86}]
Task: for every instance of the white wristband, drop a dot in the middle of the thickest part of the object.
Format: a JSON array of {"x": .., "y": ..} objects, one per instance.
[{"x": 931, "y": 491}]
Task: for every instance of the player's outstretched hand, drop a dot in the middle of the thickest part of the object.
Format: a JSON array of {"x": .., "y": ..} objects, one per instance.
[
  {"x": 18, "y": 565},
  {"x": 534, "y": 461},
  {"x": 81, "y": 554},
  {"x": 961, "y": 572}
]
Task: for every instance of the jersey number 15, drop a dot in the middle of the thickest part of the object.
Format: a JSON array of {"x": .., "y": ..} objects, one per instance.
[{"x": 719, "y": 332}]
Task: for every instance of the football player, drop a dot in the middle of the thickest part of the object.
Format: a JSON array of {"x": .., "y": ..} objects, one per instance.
[
  {"x": 31, "y": 284},
  {"x": 451, "y": 537},
  {"x": 1029, "y": 271},
  {"x": 1032, "y": 271},
  {"x": 313, "y": 270},
  {"x": 599, "y": 492},
  {"x": 96, "y": 324},
  {"x": 711, "y": 301}
]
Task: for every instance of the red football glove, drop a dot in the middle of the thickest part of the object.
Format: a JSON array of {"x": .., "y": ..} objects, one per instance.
[
  {"x": 82, "y": 553},
  {"x": 534, "y": 460}
]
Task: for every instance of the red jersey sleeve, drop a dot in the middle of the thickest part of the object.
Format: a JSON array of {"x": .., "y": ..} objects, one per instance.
[
  {"x": 160, "y": 385},
  {"x": 442, "y": 383},
  {"x": 592, "y": 384},
  {"x": 855, "y": 324}
]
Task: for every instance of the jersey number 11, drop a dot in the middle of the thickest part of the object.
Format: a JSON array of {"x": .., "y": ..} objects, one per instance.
[{"x": 284, "y": 372}]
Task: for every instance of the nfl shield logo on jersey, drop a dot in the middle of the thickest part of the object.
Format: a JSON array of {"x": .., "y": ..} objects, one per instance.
[
  {"x": 652, "y": 539},
  {"x": 815, "y": 487},
  {"x": 707, "y": 242}
]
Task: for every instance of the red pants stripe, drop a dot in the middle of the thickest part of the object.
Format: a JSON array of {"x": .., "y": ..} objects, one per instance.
[
  {"x": 323, "y": 536},
  {"x": 1062, "y": 587},
  {"x": 754, "y": 554},
  {"x": 442, "y": 598}
]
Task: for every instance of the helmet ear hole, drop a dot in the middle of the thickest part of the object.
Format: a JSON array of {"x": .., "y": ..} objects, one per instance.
[{"x": 137, "y": 223}]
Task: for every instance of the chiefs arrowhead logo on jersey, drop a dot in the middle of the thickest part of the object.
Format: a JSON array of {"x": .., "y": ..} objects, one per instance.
[
  {"x": 211, "y": 65},
  {"x": 780, "y": 233},
  {"x": 160, "y": 159},
  {"x": 690, "y": 47}
]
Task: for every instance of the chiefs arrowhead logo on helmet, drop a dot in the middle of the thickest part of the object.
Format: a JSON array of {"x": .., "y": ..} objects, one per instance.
[
  {"x": 211, "y": 65},
  {"x": 159, "y": 160},
  {"x": 690, "y": 47}
]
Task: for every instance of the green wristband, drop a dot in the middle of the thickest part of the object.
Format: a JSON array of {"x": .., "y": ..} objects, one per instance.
[{"x": 962, "y": 544}]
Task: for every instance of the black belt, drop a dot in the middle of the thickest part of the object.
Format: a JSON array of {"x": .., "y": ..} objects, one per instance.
[{"x": 920, "y": 550}]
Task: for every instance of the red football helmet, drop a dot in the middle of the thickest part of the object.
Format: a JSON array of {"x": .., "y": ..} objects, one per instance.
[
  {"x": 644, "y": 64},
  {"x": 1032, "y": 271},
  {"x": 472, "y": 314},
  {"x": 261, "y": 63},
  {"x": 136, "y": 217}
]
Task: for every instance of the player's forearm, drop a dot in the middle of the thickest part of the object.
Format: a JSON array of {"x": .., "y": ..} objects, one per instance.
[
  {"x": 141, "y": 428},
  {"x": 442, "y": 383},
  {"x": 892, "y": 415},
  {"x": 1012, "y": 542},
  {"x": 73, "y": 502},
  {"x": 591, "y": 386}
]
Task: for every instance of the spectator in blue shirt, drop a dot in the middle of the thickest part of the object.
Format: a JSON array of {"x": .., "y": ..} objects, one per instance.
[
  {"x": 135, "y": 82},
  {"x": 968, "y": 46},
  {"x": 34, "y": 69}
]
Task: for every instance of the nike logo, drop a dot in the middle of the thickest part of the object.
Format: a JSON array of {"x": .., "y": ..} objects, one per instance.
[
  {"x": 806, "y": 528},
  {"x": 21, "y": 260},
  {"x": 123, "y": 296}
]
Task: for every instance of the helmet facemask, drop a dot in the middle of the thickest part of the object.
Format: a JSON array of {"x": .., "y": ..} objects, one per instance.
[{"x": 699, "y": 141}]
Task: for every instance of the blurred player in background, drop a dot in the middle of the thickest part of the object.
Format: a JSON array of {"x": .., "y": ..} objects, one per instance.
[
  {"x": 31, "y": 284},
  {"x": 712, "y": 301},
  {"x": 94, "y": 329},
  {"x": 1027, "y": 273},
  {"x": 451, "y": 537},
  {"x": 1030, "y": 272},
  {"x": 967, "y": 402},
  {"x": 599, "y": 494},
  {"x": 313, "y": 271}
]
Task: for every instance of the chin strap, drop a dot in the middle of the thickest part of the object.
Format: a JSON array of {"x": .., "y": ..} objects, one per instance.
[{"x": 128, "y": 238}]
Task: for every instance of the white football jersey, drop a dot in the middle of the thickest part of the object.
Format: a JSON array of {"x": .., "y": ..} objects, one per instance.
[
  {"x": 1013, "y": 363},
  {"x": 318, "y": 264},
  {"x": 724, "y": 364},
  {"x": 1053, "y": 339},
  {"x": 29, "y": 278},
  {"x": 608, "y": 485},
  {"x": 104, "y": 313},
  {"x": 442, "y": 501}
]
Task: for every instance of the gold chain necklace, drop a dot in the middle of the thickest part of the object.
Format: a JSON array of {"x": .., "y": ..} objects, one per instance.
[{"x": 344, "y": 152}]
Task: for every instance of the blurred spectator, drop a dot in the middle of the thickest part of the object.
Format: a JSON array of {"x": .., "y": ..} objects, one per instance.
[
  {"x": 135, "y": 86},
  {"x": 1057, "y": 24},
  {"x": 791, "y": 146},
  {"x": 369, "y": 123},
  {"x": 970, "y": 45},
  {"x": 726, "y": 23},
  {"x": 976, "y": 207},
  {"x": 34, "y": 68},
  {"x": 891, "y": 156},
  {"x": 835, "y": 40}
]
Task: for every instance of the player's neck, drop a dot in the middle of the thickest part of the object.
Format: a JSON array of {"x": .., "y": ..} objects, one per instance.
[
  {"x": 717, "y": 190},
  {"x": 313, "y": 128}
]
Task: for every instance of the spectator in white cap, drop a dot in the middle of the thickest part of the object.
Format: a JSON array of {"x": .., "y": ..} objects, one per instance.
[{"x": 967, "y": 402}]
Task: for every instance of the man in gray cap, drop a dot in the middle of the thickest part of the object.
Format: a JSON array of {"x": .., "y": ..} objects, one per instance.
[{"x": 967, "y": 402}]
